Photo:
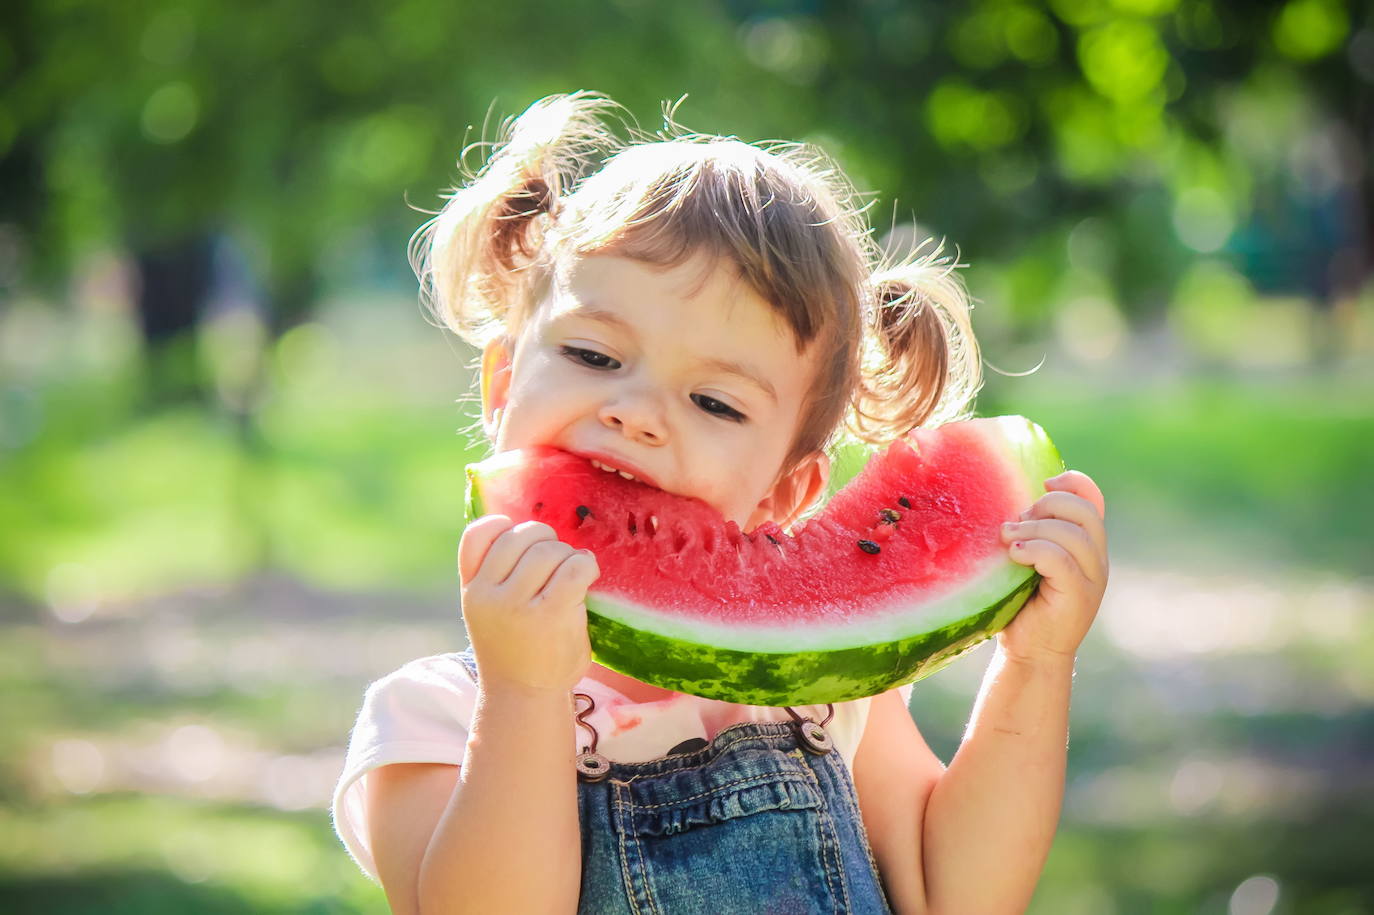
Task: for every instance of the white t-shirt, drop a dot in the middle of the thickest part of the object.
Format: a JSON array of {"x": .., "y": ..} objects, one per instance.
[{"x": 421, "y": 712}]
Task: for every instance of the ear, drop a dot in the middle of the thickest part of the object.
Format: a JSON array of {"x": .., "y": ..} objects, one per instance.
[
  {"x": 496, "y": 370},
  {"x": 794, "y": 492}
]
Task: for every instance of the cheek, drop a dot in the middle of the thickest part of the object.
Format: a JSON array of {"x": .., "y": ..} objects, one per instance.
[
  {"x": 733, "y": 477},
  {"x": 545, "y": 381},
  {"x": 539, "y": 395}
]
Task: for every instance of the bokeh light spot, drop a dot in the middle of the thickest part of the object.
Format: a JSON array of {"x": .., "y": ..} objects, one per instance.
[
  {"x": 1308, "y": 29},
  {"x": 1090, "y": 328},
  {"x": 1255, "y": 896},
  {"x": 170, "y": 113},
  {"x": 1029, "y": 34},
  {"x": 793, "y": 47},
  {"x": 1123, "y": 60},
  {"x": 961, "y": 116},
  {"x": 1203, "y": 219},
  {"x": 73, "y": 592},
  {"x": 78, "y": 765},
  {"x": 195, "y": 752}
]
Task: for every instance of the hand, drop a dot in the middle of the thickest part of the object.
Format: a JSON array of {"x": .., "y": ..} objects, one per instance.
[
  {"x": 524, "y": 604},
  {"x": 1063, "y": 536}
]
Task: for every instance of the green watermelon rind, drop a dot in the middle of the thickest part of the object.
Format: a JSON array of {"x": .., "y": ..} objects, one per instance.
[{"x": 795, "y": 677}]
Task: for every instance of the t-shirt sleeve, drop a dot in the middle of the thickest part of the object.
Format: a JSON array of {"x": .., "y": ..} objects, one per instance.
[
  {"x": 417, "y": 714},
  {"x": 851, "y": 720}
]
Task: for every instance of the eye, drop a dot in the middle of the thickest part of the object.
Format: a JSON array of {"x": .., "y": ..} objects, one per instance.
[
  {"x": 590, "y": 358},
  {"x": 716, "y": 408}
]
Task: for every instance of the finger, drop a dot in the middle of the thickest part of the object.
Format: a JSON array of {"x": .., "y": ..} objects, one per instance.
[
  {"x": 533, "y": 569},
  {"x": 1070, "y": 537},
  {"x": 476, "y": 541},
  {"x": 507, "y": 549},
  {"x": 1057, "y": 569},
  {"x": 1072, "y": 508},
  {"x": 1081, "y": 485},
  {"x": 569, "y": 583}
]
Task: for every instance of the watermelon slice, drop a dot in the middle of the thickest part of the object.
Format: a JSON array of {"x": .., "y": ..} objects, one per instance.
[{"x": 901, "y": 572}]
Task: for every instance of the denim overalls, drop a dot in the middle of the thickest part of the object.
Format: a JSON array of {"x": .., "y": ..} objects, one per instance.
[{"x": 756, "y": 821}]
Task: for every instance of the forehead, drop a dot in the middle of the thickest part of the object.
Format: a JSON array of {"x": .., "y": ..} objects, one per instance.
[{"x": 704, "y": 301}]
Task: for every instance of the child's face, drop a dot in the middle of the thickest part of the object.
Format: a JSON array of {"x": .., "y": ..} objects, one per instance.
[{"x": 685, "y": 378}]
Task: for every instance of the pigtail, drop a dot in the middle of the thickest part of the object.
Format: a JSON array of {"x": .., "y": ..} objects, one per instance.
[
  {"x": 921, "y": 364},
  {"x": 480, "y": 260}
]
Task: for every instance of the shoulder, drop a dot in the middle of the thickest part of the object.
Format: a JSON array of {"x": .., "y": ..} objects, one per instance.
[
  {"x": 425, "y": 698},
  {"x": 441, "y": 673}
]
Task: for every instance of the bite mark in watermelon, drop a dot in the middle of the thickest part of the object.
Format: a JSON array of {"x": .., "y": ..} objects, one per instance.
[{"x": 900, "y": 573}]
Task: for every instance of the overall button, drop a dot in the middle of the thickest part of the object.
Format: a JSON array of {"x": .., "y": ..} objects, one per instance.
[
  {"x": 592, "y": 767},
  {"x": 814, "y": 738}
]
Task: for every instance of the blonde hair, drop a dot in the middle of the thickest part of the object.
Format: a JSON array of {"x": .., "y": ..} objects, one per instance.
[{"x": 895, "y": 347}]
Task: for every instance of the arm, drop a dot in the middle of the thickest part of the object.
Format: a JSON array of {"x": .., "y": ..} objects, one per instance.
[
  {"x": 509, "y": 839},
  {"x": 471, "y": 838},
  {"x": 991, "y": 820},
  {"x": 451, "y": 839},
  {"x": 974, "y": 837}
]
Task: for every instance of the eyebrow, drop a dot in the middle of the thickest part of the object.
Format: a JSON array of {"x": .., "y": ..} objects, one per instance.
[
  {"x": 725, "y": 366},
  {"x": 743, "y": 372},
  {"x": 592, "y": 313}
]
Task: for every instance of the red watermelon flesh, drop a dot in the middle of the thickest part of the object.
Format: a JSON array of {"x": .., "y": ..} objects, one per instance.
[{"x": 903, "y": 569}]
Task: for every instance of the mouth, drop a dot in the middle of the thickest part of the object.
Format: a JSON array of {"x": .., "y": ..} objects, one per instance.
[{"x": 609, "y": 464}]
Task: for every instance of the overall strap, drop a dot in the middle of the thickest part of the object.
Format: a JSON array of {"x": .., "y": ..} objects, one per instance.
[{"x": 468, "y": 660}]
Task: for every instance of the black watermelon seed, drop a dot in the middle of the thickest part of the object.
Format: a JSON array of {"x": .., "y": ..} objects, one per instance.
[
  {"x": 904, "y": 502},
  {"x": 583, "y": 513},
  {"x": 889, "y": 516},
  {"x": 868, "y": 546},
  {"x": 771, "y": 539}
]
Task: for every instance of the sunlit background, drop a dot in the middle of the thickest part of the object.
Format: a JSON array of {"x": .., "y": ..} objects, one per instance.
[{"x": 231, "y": 447}]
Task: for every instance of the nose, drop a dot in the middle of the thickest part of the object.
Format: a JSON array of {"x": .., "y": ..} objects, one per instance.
[{"x": 637, "y": 417}]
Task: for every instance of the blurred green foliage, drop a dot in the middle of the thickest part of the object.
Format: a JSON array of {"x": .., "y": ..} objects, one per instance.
[{"x": 302, "y": 129}]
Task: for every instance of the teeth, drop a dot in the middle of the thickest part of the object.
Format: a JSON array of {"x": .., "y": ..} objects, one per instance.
[{"x": 600, "y": 466}]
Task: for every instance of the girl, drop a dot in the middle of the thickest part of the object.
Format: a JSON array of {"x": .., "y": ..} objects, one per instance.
[{"x": 703, "y": 315}]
